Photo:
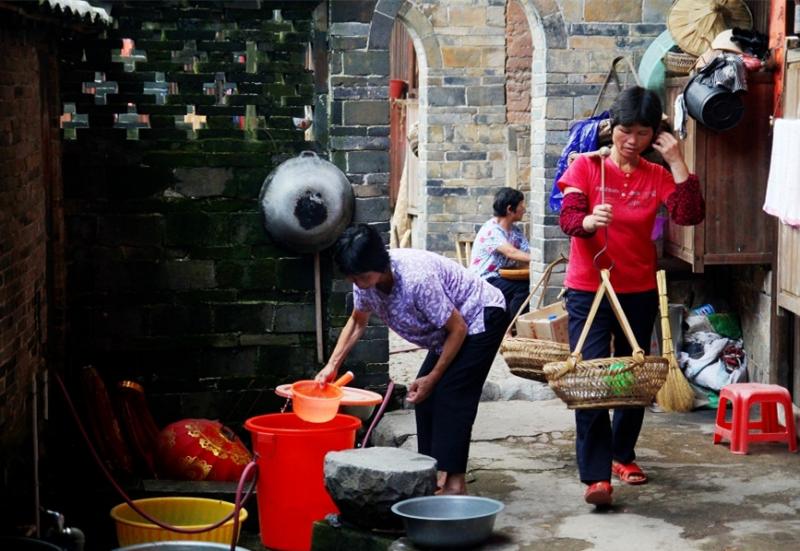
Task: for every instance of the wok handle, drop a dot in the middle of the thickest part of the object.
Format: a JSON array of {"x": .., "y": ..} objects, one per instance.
[{"x": 344, "y": 379}]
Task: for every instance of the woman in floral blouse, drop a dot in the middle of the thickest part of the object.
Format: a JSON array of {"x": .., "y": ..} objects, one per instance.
[{"x": 437, "y": 304}]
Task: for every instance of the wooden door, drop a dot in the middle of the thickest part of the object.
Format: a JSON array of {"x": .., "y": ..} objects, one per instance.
[
  {"x": 402, "y": 66},
  {"x": 789, "y": 237}
]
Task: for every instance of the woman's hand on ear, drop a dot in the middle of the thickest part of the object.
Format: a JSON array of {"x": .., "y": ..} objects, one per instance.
[{"x": 667, "y": 145}]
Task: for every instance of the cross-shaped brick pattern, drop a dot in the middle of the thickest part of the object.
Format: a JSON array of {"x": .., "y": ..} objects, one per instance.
[
  {"x": 100, "y": 88},
  {"x": 160, "y": 88},
  {"x": 132, "y": 121},
  {"x": 128, "y": 55}
]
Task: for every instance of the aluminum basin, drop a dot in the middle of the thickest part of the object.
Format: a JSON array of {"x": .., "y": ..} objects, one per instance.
[{"x": 448, "y": 521}]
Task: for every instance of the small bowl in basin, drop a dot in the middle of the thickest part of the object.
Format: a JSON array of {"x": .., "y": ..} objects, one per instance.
[{"x": 448, "y": 521}]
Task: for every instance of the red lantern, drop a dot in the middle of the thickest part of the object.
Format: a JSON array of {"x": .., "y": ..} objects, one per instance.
[{"x": 201, "y": 449}]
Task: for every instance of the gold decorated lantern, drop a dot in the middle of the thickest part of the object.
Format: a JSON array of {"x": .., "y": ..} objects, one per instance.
[{"x": 200, "y": 449}]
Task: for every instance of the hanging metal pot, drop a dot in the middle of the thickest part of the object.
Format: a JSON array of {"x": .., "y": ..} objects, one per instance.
[{"x": 307, "y": 203}]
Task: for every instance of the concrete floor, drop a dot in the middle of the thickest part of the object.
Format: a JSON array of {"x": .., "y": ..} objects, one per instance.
[{"x": 700, "y": 496}]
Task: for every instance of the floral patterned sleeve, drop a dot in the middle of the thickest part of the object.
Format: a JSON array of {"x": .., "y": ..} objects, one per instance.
[{"x": 686, "y": 205}]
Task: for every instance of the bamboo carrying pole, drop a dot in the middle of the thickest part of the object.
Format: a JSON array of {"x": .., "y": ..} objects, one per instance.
[{"x": 676, "y": 394}]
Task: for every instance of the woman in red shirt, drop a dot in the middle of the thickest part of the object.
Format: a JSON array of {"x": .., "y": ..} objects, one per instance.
[{"x": 634, "y": 190}]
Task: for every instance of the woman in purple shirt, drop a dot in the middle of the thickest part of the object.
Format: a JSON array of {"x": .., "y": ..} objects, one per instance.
[{"x": 437, "y": 304}]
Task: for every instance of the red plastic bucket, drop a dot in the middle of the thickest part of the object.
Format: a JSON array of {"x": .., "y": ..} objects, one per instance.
[{"x": 291, "y": 485}]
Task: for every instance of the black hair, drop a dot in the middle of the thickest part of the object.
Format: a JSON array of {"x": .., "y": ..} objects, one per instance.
[
  {"x": 504, "y": 198},
  {"x": 636, "y": 105},
  {"x": 360, "y": 249}
]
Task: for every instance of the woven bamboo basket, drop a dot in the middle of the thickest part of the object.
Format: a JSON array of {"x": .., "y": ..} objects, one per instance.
[
  {"x": 679, "y": 63},
  {"x": 607, "y": 382},
  {"x": 526, "y": 357}
]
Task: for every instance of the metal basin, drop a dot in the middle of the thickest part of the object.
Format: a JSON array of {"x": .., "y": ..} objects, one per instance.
[
  {"x": 180, "y": 546},
  {"x": 448, "y": 521}
]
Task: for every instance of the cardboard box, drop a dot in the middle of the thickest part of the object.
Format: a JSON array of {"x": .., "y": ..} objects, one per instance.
[{"x": 549, "y": 324}]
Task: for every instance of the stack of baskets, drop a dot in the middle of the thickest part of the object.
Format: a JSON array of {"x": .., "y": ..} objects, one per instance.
[
  {"x": 526, "y": 356},
  {"x": 607, "y": 382}
]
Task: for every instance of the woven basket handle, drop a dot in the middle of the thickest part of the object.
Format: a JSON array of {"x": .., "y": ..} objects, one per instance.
[
  {"x": 666, "y": 332},
  {"x": 611, "y": 72},
  {"x": 604, "y": 288},
  {"x": 543, "y": 282}
]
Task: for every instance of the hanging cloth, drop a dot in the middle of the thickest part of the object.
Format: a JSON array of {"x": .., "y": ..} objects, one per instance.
[
  {"x": 726, "y": 70},
  {"x": 783, "y": 186}
]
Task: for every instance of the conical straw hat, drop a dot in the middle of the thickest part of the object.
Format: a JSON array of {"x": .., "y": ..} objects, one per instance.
[{"x": 695, "y": 23}]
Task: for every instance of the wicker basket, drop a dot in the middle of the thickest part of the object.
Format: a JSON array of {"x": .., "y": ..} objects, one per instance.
[
  {"x": 679, "y": 63},
  {"x": 526, "y": 357},
  {"x": 607, "y": 382}
]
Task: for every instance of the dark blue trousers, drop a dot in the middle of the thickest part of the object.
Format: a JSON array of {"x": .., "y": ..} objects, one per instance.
[
  {"x": 445, "y": 418},
  {"x": 598, "y": 440},
  {"x": 515, "y": 291}
]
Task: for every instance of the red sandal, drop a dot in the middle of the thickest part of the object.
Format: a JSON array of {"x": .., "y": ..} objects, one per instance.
[
  {"x": 629, "y": 473},
  {"x": 599, "y": 493}
]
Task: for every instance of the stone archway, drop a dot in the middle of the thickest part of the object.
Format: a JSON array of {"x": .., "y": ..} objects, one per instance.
[{"x": 549, "y": 34}]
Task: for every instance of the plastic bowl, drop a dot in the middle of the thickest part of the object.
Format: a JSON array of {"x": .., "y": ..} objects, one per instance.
[
  {"x": 314, "y": 402},
  {"x": 182, "y": 512},
  {"x": 448, "y": 521}
]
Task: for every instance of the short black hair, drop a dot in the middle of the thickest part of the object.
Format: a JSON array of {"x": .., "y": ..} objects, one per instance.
[
  {"x": 360, "y": 249},
  {"x": 637, "y": 105},
  {"x": 504, "y": 198}
]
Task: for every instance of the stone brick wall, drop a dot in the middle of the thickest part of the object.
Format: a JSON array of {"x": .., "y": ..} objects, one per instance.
[
  {"x": 519, "y": 55},
  {"x": 172, "y": 277},
  {"x": 466, "y": 150},
  {"x": 29, "y": 284}
]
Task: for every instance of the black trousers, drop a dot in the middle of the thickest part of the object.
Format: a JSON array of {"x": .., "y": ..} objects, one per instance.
[
  {"x": 599, "y": 441},
  {"x": 445, "y": 418},
  {"x": 515, "y": 291}
]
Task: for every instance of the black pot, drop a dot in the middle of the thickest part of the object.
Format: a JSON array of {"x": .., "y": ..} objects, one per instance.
[
  {"x": 307, "y": 203},
  {"x": 714, "y": 107}
]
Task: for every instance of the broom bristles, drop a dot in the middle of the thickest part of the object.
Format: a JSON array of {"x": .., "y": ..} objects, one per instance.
[{"x": 676, "y": 394}]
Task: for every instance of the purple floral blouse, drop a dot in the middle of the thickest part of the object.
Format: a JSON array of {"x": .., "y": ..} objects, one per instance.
[{"x": 427, "y": 288}]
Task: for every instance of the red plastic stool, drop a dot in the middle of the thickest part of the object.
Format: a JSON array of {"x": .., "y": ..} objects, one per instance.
[{"x": 743, "y": 396}]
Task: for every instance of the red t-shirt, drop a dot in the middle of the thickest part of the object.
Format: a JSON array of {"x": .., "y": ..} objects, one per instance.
[{"x": 635, "y": 199}]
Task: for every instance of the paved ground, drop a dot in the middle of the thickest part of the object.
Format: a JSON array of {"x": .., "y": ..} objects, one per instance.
[{"x": 700, "y": 496}]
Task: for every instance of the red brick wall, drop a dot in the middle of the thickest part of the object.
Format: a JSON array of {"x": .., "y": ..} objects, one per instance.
[
  {"x": 519, "y": 53},
  {"x": 29, "y": 160}
]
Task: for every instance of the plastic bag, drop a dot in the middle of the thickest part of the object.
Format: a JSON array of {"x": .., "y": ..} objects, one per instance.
[{"x": 583, "y": 137}]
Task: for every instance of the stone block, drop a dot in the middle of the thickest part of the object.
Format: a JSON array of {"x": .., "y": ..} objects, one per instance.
[
  {"x": 372, "y": 209},
  {"x": 453, "y": 56},
  {"x": 364, "y": 113},
  {"x": 356, "y": 143},
  {"x": 293, "y": 318},
  {"x": 446, "y": 96},
  {"x": 349, "y": 29},
  {"x": 486, "y": 95},
  {"x": 244, "y": 317},
  {"x": 612, "y": 10},
  {"x": 365, "y": 483},
  {"x": 348, "y": 42},
  {"x": 202, "y": 182},
  {"x": 654, "y": 11},
  {"x": 365, "y": 63},
  {"x": 187, "y": 274},
  {"x": 360, "y": 162},
  {"x": 467, "y": 16},
  {"x": 349, "y": 11}
]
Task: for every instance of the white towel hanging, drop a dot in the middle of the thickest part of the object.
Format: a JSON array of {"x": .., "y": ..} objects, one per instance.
[{"x": 783, "y": 187}]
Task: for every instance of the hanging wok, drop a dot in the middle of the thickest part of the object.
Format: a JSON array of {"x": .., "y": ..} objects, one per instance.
[{"x": 307, "y": 202}]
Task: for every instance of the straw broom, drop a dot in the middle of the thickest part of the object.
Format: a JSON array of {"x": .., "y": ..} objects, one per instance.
[{"x": 676, "y": 394}]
